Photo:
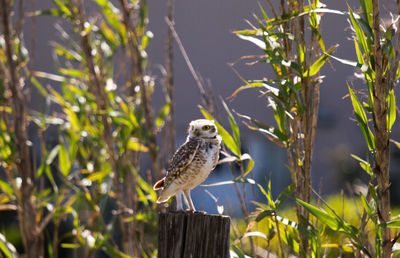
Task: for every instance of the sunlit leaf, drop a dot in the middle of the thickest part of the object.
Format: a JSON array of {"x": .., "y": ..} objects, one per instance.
[
  {"x": 363, "y": 164},
  {"x": 162, "y": 116},
  {"x": 284, "y": 195},
  {"x": 367, "y": 207},
  {"x": 98, "y": 176},
  {"x": 236, "y": 252},
  {"x": 359, "y": 33},
  {"x": 258, "y": 42},
  {"x": 64, "y": 161},
  {"x": 322, "y": 216},
  {"x": 70, "y": 245},
  {"x": 234, "y": 126},
  {"x": 362, "y": 121},
  {"x": 6, "y": 188},
  {"x": 135, "y": 145},
  {"x": 392, "y": 110},
  {"x": 393, "y": 224},
  {"x": 316, "y": 66},
  {"x": 7, "y": 248},
  {"x": 250, "y": 164}
]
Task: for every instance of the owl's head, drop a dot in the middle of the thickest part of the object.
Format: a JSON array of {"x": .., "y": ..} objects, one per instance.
[{"x": 202, "y": 128}]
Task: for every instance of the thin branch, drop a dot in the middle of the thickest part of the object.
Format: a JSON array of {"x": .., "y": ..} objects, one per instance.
[{"x": 185, "y": 56}]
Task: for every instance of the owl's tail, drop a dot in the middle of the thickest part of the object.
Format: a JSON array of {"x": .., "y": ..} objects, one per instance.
[
  {"x": 159, "y": 185},
  {"x": 164, "y": 196}
]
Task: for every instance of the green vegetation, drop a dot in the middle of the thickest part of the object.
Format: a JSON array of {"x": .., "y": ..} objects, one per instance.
[{"x": 79, "y": 182}]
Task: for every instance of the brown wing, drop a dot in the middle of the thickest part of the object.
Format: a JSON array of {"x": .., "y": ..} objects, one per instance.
[{"x": 181, "y": 159}]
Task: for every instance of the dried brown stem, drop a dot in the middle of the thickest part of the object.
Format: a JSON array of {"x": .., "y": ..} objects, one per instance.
[
  {"x": 33, "y": 241},
  {"x": 170, "y": 79},
  {"x": 381, "y": 168}
]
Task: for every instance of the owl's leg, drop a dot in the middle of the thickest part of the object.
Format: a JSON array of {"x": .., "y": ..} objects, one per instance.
[
  {"x": 189, "y": 199},
  {"x": 179, "y": 203}
]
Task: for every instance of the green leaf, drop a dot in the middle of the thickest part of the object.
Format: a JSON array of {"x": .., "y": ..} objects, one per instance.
[
  {"x": 366, "y": 6},
  {"x": 162, "y": 116},
  {"x": 66, "y": 53},
  {"x": 284, "y": 195},
  {"x": 359, "y": 33},
  {"x": 250, "y": 164},
  {"x": 279, "y": 114},
  {"x": 392, "y": 110},
  {"x": 362, "y": 121},
  {"x": 70, "y": 245},
  {"x": 51, "y": 12},
  {"x": 234, "y": 127},
  {"x": 237, "y": 251},
  {"x": 393, "y": 224},
  {"x": 7, "y": 248},
  {"x": 63, "y": 8},
  {"x": 98, "y": 176},
  {"x": 64, "y": 161},
  {"x": 268, "y": 195},
  {"x": 226, "y": 137},
  {"x": 108, "y": 34},
  {"x": 72, "y": 72},
  {"x": 316, "y": 66},
  {"x": 321, "y": 215},
  {"x": 39, "y": 86},
  {"x": 367, "y": 207},
  {"x": 6, "y": 188},
  {"x": 152, "y": 195},
  {"x": 135, "y": 145},
  {"x": 270, "y": 132},
  {"x": 364, "y": 164}
]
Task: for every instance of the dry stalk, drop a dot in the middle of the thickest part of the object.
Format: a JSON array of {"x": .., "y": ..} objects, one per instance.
[
  {"x": 170, "y": 80},
  {"x": 32, "y": 237},
  {"x": 381, "y": 168}
]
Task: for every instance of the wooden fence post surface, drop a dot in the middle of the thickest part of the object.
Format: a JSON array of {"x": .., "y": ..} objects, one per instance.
[{"x": 191, "y": 235}]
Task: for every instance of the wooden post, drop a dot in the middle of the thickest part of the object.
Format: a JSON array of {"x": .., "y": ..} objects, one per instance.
[{"x": 186, "y": 234}]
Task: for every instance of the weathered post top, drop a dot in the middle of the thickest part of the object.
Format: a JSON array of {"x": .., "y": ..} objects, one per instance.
[{"x": 186, "y": 234}]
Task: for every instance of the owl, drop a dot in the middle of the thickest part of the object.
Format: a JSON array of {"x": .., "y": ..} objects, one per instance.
[{"x": 191, "y": 163}]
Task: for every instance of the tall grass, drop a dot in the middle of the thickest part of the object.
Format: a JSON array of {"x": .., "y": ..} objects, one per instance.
[{"x": 293, "y": 95}]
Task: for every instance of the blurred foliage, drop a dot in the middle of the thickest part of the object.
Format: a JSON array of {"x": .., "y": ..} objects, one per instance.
[{"x": 89, "y": 180}]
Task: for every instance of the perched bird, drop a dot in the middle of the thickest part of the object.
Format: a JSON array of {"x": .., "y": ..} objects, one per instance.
[{"x": 191, "y": 163}]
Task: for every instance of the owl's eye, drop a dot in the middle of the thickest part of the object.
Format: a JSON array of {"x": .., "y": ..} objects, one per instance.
[
  {"x": 206, "y": 128},
  {"x": 192, "y": 128}
]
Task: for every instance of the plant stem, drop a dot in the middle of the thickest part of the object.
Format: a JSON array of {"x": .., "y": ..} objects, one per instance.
[
  {"x": 32, "y": 238},
  {"x": 381, "y": 168},
  {"x": 170, "y": 79}
]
